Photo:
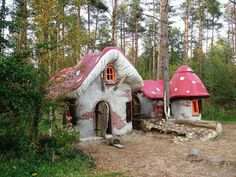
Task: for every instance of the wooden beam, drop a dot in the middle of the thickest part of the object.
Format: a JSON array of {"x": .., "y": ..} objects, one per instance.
[
  {"x": 120, "y": 82},
  {"x": 102, "y": 82}
]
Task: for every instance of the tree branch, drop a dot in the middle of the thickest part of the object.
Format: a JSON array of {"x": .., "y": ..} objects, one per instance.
[{"x": 233, "y": 1}]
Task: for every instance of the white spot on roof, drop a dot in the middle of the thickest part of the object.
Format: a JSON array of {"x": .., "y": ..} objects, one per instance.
[
  {"x": 187, "y": 91},
  {"x": 77, "y": 72},
  {"x": 189, "y": 69},
  {"x": 153, "y": 93},
  {"x": 193, "y": 82},
  {"x": 176, "y": 89},
  {"x": 181, "y": 78},
  {"x": 158, "y": 89}
]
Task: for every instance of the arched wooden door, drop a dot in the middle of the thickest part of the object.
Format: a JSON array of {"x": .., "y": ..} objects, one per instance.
[{"x": 103, "y": 122}]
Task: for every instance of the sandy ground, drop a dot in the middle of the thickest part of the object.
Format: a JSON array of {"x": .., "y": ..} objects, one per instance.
[{"x": 154, "y": 154}]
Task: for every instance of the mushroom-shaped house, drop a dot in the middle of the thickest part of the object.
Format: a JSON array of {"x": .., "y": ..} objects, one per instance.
[
  {"x": 100, "y": 90},
  {"x": 151, "y": 99},
  {"x": 186, "y": 91}
]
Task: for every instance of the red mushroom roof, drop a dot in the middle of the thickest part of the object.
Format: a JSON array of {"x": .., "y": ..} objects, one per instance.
[
  {"x": 68, "y": 79},
  {"x": 153, "y": 89},
  {"x": 89, "y": 67},
  {"x": 185, "y": 83}
]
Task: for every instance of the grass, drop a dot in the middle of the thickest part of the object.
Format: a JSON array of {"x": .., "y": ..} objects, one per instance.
[
  {"x": 78, "y": 166},
  {"x": 52, "y": 157},
  {"x": 229, "y": 120},
  {"x": 19, "y": 167},
  {"x": 223, "y": 120},
  {"x": 220, "y": 114}
]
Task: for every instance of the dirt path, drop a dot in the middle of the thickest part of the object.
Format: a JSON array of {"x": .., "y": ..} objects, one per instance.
[{"x": 153, "y": 154}]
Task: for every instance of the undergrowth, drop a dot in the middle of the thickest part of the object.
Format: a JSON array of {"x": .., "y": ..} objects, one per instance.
[{"x": 52, "y": 157}]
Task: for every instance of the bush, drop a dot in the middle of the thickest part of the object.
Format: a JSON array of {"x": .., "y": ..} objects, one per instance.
[{"x": 52, "y": 156}]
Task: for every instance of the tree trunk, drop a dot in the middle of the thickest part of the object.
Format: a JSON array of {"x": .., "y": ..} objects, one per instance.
[
  {"x": 154, "y": 47},
  {"x": 206, "y": 124},
  {"x": 186, "y": 33},
  {"x": 207, "y": 32},
  {"x": 163, "y": 53},
  {"x": 23, "y": 32},
  {"x": 3, "y": 9},
  {"x": 154, "y": 54},
  {"x": 96, "y": 31},
  {"x": 132, "y": 47},
  {"x": 88, "y": 45},
  {"x": 114, "y": 15},
  {"x": 121, "y": 33},
  {"x": 123, "y": 30},
  {"x": 154, "y": 60},
  {"x": 191, "y": 38},
  {"x": 200, "y": 37},
  {"x": 234, "y": 26},
  {"x": 162, "y": 50},
  {"x": 232, "y": 37},
  {"x": 34, "y": 128},
  {"x": 63, "y": 35},
  {"x": 136, "y": 41},
  {"x": 45, "y": 51},
  {"x": 213, "y": 28},
  {"x": 78, "y": 34},
  {"x": 58, "y": 51}
]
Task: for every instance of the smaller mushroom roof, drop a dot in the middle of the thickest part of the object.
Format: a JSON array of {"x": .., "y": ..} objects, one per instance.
[
  {"x": 185, "y": 83},
  {"x": 153, "y": 89}
]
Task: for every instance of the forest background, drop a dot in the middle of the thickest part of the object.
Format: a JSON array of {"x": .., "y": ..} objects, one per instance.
[{"x": 40, "y": 37}]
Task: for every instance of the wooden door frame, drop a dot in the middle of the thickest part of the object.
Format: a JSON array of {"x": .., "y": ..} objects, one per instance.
[{"x": 109, "y": 124}]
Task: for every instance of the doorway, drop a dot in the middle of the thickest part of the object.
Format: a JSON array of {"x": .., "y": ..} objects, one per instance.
[
  {"x": 102, "y": 119},
  {"x": 70, "y": 117},
  {"x": 136, "y": 106}
]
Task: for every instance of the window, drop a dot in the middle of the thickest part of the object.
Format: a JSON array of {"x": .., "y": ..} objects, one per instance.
[
  {"x": 159, "y": 109},
  {"x": 195, "y": 108},
  {"x": 109, "y": 74},
  {"x": 129, "y": 111}
]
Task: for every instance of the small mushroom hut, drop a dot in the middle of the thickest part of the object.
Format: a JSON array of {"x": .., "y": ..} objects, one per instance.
[
  {"x": 151, "y": 98},
  {"x": 99, "y": 89},
  {"x": 186, "y": 92}
]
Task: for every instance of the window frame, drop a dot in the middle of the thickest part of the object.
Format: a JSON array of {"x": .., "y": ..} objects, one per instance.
[
  {"x": 195, "y": 107},
  {"x": 109, "y": 74}
]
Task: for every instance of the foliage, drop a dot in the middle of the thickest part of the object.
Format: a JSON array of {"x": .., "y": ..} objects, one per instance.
[
  {"x": 36, "y": 163},
  {"x": 175, "y": 45},
  {"x": 38, "y": 38},
  {"x": 21, "y": 93},
  {"x": 222, "y": 87},
  {"x": 144, "y": 65},
  {"x": 54, "y": 156}
]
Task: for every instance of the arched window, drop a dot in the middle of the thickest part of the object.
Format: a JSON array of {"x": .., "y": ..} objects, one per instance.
[{"x": 109, "y": 74}]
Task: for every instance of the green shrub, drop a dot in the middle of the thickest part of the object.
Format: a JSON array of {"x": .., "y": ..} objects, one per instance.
[{"x": 52, "y": 156}]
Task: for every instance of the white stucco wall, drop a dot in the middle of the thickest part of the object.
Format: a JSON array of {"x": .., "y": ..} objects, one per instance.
[
  {"x": 117, "y": 101},
  {"x": 182, "y": 109}
]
